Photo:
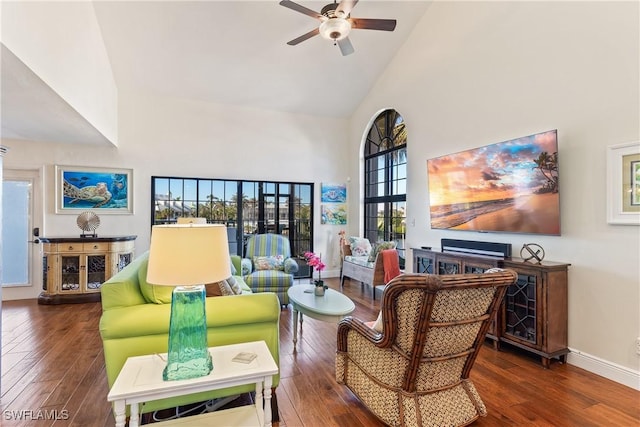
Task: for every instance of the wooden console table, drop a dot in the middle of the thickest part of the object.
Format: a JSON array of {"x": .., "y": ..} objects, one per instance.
[
  {"x": 533, "y": 315},
  {"x": 74, "y": 268}
]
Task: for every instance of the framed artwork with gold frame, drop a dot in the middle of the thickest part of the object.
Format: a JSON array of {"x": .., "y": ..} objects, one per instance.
[{"x": 623, "y": 183}]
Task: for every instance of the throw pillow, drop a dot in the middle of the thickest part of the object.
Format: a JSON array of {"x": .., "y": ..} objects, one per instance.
[
  {"x": 290, "y": 266},
  {"x": 359, "y": 246},
  {"x": 234, "y": 285},
  {"x": 218, "y": 289},
  {"x": 224, "y": 287},
  {"x": 379, "y": 247},
  {"x": 155, "y": 294},
  {"x": 269, "y": 262},
  {"x": 246, "y": 266},
  {"x": 233, "y": 269}
]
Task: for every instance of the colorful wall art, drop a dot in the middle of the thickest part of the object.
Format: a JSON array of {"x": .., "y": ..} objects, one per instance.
[
  {"x": 334, "y": 214},
  {"x": 105, "y": 189}
]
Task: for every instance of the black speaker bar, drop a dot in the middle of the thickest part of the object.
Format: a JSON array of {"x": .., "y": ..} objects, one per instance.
[{"x": 480, "y": 248}]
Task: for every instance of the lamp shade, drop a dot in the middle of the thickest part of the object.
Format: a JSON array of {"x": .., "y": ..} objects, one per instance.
[{"x": 189, "y": 254}]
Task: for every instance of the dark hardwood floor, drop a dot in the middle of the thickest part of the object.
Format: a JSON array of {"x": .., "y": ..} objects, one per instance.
[{"x": 52, "y": 362}]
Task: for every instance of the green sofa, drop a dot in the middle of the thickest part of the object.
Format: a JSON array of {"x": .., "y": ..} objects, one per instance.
[{"x": 130, "y": 325}]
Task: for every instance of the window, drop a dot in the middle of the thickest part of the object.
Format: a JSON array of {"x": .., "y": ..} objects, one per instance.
[
  {"x": 245, "y": 207},
  {"x": 385, "y": 181}
]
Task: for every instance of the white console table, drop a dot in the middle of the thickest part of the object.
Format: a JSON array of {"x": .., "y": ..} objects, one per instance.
[{"x": 140, "y": 380}]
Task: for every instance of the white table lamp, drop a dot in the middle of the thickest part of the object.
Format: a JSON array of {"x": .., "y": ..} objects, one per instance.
[{"x": 188, "y": 257}]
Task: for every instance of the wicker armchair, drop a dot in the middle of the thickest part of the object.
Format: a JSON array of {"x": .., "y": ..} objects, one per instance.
[{"x": 416, "y": 371}]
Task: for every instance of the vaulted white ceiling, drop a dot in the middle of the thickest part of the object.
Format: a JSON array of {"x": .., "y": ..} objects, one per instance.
[{"x": 235, "y": 52}]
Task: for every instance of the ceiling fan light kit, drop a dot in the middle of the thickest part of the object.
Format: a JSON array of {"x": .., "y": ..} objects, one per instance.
[
  {"x": 336, "y": 23},
  {"x": 335, "y": 29}
]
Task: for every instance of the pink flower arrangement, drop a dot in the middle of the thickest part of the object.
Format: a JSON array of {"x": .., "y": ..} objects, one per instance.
[{"x": 315, "y": 261}]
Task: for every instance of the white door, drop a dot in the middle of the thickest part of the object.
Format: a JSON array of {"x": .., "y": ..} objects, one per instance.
[{"x": 21, "y": 277}]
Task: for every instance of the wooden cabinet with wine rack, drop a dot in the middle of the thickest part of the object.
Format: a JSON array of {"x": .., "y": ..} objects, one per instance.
[{"x": 74, "y": 269}]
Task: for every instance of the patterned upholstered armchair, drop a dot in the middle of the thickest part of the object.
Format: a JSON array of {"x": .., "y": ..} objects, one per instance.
[
  {"x": 415, "y": 371},
  {"x": 268, "y": 266}
]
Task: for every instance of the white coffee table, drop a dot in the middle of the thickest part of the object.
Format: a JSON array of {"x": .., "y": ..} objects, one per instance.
[
  {"x": 331, "y": 307},
  {"x": 140, "y": 380}
]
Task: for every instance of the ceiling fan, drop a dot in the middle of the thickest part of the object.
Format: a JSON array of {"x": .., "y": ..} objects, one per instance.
[{"x": 336, "y": 23}]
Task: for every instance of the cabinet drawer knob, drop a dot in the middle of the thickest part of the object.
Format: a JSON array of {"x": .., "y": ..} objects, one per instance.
[
  {"x": 95, "y": 246},
  {"x": 70, "y": 248}
]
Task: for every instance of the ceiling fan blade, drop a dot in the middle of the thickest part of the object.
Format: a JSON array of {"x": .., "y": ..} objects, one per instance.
[
  {"x": 299, "y": 8},
  {"x": 345, "y": 46},
  {"x": 304, "y": 37},
  {"x": 373, "y": 24},
  {"x": 346, "y": 6}
]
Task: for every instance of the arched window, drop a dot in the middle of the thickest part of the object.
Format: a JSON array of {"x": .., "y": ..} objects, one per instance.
[{"x": 385, "y": 180}]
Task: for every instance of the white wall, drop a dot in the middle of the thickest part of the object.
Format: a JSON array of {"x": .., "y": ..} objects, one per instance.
[
  {"x": 62, "y": 43},
  {"x": 185, "y": 138},
  {"x": 475, "y": 73}
]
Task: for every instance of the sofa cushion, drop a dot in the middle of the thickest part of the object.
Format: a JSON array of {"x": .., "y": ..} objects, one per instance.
[
  {"x": 268, "y": 280},
  {"x": 153, "y": 319},
  {"x": 155, "y": 294},
  {"x": 360, "y": 260}
]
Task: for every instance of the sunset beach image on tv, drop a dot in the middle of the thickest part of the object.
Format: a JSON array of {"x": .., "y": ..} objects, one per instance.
[{"x": 510, "y": 186}]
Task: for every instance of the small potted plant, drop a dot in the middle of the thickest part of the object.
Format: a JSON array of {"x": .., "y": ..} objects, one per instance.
[{"x": 315, "y": 262}]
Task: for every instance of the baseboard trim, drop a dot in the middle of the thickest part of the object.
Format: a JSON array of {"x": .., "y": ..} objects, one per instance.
[
  {"x": 604, "y": 368},
  {"x": 331, "y": 273}
]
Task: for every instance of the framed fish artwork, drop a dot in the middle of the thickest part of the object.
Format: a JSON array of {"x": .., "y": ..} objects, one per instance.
[{"x": 108, "y": 190}]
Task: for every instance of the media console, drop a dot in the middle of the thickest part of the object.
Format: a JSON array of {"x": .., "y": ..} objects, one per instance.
[{"x": 533, "y": 314}]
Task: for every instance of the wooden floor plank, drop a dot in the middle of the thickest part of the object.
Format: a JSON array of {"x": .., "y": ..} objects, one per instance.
[{"x": 52, "y": 360}]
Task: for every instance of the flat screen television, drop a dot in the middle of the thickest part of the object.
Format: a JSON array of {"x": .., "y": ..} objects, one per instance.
[{"x": 509, "y": 187}]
